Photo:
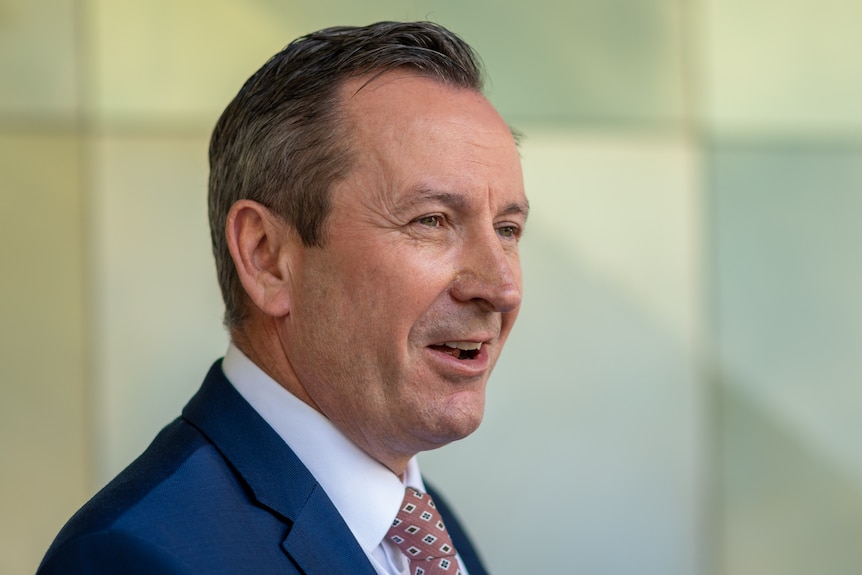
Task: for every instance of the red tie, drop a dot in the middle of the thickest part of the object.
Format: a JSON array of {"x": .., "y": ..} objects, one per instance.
[{"x": 419, "y": 532}]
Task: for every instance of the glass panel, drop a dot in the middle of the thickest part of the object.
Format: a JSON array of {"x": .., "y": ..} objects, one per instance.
[
  {"x": 784, "y": 66},
  {"x": 43, "y": 426},
  {"x": 155, "y": 286},
  {"x": 606, "y": 61},
  {"x": 788, "y": 315},
  {"x": 37, "y": 57},
  {"x": 181, "y": 61}
]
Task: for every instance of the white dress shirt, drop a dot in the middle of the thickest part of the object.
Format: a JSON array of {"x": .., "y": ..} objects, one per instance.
[{"x": 366, "y": 493}]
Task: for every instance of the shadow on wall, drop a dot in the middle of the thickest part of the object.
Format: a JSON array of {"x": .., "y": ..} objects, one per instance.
[{"x": 787, "y": 507}]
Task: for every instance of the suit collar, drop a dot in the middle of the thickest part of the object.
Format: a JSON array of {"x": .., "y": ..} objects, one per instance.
[
  {"x": 310, "y": 435},
  {"x": 276, "y": 479}
]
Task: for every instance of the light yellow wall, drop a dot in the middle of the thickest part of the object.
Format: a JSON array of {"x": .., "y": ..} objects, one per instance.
[
  {"x": 45, "y": 449},
  {"x": 44, "y": 396},
  {"x": 783, "y": 68}
]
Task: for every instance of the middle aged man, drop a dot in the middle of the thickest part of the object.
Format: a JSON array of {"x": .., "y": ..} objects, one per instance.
[{"x": 366, "y": 203}]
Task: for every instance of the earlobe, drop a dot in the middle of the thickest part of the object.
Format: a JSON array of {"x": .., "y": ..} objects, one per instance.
[{"x": 260, "y": 244}]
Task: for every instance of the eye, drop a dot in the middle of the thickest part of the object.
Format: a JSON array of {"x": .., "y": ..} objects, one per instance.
[
  {"x": 431, "y": 221},
  {"x": 508, "y": 231}
]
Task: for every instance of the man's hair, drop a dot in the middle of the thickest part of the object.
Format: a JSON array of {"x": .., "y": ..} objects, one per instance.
[{"x": 283, "y": 142}]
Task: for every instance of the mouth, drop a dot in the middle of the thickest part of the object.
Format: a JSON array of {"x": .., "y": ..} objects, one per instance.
[{"x": 464, "y": 350}]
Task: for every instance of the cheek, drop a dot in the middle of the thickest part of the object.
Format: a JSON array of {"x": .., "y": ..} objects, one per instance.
[{"x": 401, "y": 284}]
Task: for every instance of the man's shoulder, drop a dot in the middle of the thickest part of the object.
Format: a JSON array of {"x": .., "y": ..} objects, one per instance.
[
  {"x": 178, "y": 508},
  {"x": 177, "y": 461},
  {"x": 217, "y": 491},
  {"x": 140, "y": 495},
  {"x": 110, "y": 551}
]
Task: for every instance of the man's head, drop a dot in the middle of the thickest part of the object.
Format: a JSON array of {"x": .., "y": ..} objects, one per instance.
[
  {"x": 388, "y": 306},
  {"x": 283, "y": 140}
]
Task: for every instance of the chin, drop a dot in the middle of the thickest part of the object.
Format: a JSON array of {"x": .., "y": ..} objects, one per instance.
[{"x": 459, "y": 421}]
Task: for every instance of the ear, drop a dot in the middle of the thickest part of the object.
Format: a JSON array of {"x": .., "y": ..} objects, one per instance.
[{"x": 262, "y": 246}]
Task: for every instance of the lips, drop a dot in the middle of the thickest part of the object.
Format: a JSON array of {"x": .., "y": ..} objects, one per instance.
[{"x": 459, "y": 349}]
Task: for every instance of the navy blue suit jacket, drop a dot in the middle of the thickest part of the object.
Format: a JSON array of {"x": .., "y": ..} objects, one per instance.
[{"x": 218, "y": 491}]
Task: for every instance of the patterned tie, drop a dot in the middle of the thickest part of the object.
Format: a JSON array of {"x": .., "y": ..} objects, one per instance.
[{"x": 419, "y": 532}]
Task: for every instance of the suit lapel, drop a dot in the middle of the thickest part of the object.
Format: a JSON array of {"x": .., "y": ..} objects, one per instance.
[
  {"x": 318, "y": 540},
  {"x": 316, "y": 530}
]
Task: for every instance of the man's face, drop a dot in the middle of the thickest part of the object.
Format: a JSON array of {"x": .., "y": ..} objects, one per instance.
[{"x": 397, "y": 321}]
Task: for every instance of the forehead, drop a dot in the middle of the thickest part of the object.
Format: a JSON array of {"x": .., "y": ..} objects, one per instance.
[
  {"x": 398, "y": 103},
  {"x": 417, "y": 132}
]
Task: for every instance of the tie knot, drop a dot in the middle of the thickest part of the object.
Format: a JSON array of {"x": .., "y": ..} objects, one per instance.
[{"x": 420, "y": 534}]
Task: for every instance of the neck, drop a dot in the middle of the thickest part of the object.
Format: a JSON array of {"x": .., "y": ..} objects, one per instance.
[{"x": 263, "y": 344}]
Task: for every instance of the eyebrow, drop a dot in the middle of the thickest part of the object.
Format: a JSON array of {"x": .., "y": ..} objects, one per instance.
[
  {"x": 517, "y": 208},
  {"x": 459, "y": 201}
]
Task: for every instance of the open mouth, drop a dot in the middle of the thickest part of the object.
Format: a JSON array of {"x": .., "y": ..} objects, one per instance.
[{"x": 459, "y": 349}]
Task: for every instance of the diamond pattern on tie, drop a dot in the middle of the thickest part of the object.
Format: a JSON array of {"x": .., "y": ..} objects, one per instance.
[{"x": 419, "y": 533}]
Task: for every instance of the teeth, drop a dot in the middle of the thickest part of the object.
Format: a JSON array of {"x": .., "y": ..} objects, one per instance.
[{"x": 464, "y": 345}]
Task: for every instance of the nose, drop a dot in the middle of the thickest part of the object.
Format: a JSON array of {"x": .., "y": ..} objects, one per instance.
[{"x": 489, "y": 274}]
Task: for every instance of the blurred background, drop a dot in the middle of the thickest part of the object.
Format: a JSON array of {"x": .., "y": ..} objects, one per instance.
[{"x": 683, "y": 393}]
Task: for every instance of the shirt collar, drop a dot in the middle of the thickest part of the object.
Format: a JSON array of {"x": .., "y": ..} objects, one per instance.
[{"x": 366, "y": 493}]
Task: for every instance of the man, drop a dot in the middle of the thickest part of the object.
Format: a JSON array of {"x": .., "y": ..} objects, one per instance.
[{"x": 366, "y": 203}]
